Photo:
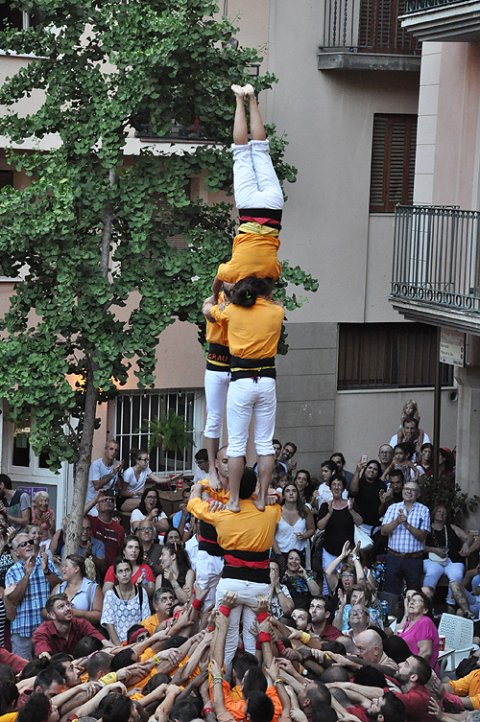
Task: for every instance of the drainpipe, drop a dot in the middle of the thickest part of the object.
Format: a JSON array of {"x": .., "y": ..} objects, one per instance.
[{"x": 437, "y": 406}]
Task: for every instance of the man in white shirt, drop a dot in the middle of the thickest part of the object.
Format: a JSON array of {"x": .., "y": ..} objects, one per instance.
[
  {"x": 406, "y": 525},
  {"x": 103, "y": 473}
]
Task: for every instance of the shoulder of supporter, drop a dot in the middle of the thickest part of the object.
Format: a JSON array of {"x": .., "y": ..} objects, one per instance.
[
  {"x": 98, "y": 549},
  {"x": 25, "y": 501},
  {"x": 129, "y": 475},
  {"x": 94, "y": 471}
]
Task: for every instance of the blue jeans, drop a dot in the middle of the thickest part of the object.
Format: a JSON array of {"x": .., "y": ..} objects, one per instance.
[
  {"x": 400, "y": 569},
  {"x": 22, "y": 646}
]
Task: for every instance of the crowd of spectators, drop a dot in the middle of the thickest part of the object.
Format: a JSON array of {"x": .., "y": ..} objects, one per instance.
[{"x": 323, "y": 606}]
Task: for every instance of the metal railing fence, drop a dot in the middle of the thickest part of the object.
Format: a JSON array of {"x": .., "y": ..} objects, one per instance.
[
  {"x": 436, "y": 257},
  {"x": 369, "y": 26}
]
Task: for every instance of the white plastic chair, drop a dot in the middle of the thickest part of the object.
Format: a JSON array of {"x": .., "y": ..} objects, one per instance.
[{"x": 458, "y": 633}]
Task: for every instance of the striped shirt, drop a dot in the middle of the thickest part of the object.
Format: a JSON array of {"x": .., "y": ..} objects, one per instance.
[
  {"x": 401, "y": 540},
  {"x": 29, "y": 610}
]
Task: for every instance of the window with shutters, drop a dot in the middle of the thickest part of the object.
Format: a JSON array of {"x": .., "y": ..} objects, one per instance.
[
  {"x": 393, "y": 162},
  {"x": 388, "y": 355},
  {"x": 379, "y": 29}
]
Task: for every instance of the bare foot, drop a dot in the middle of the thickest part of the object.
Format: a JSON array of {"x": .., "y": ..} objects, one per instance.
[
  {"x": 214, "y": 480},
  {"x": 233, "y": 506},
  {"x": 239, "y": 90},
  {"x": 248, "y": 90},
  {"x": 260, "y": 504}
]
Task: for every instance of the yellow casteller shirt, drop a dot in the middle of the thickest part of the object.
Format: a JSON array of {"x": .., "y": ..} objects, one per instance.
[
  {"x": 247, "y": 530},
  {"x": 254, "y": 253},
  {"x": 253, "y": 332}
]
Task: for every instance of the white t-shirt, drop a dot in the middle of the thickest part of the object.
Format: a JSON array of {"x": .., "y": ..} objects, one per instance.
[
  {"x": 191, "y": 547},
  {"x": 136, "y": 486},
  {"x": 97, "y": 470},
  {"x": 394, "y": 440},
  {"x": 199, "y": 475}
]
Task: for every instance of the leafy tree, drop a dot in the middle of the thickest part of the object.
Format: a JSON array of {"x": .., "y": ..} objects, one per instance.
[{"x": 93, "y": 227}]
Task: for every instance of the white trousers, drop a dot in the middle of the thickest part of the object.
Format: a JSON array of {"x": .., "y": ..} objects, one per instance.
[
  {"x": 249, "y": 398},
  {"x": 216, "y": 389},
  {"x": 255, "y": 183},
  {"x": 246, "y": 604},
  {"x": 208, "y": 573},
  {"x": 433, "y": 571}
]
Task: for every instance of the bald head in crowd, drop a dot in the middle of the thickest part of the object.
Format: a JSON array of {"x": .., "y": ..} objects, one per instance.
[{"x": 369, "y": 646}]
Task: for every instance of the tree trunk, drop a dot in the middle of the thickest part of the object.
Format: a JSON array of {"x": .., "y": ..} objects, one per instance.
[
  {"x": 82, "y": 467},
  {"x": 91, "y": 396}
]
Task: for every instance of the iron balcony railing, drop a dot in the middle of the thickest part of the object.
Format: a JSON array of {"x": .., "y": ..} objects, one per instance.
[
  {"x": 436, "y": 258},
  {"x": 415, "y": 6},
  {"x": 367, "y": 26}
]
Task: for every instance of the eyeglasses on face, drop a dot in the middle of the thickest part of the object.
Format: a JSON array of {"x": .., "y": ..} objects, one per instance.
[
  {"x": 145, "y": 528},
  {"x": 143, "y": 458},
  {"x": 28, "y": 542}
]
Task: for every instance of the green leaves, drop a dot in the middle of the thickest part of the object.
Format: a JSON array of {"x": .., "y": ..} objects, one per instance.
[{"x": 107, "y": 69}]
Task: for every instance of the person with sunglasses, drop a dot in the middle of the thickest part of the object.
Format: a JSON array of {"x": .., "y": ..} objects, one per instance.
[
  {"x": 28, "y": 585},
  {"x": 134, "y": 479}
]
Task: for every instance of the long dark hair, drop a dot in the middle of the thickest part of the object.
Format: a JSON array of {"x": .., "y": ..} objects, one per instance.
[
  {"x": 245, "y": 292},
  {"x": 308, "y": 491},
  {"x": 141, "y": 505},
  {"x": 132, "y": 537},
  {"x": 121, "y": 560},
  {"x": 182, "y": 558},
  {"x": 299, "y": 503},
  {"x": 377, "y": 464}
]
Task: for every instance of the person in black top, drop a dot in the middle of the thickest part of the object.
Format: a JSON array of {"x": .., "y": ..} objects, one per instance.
[
  {"x": 338, "y": 519},
  {"x": 365, "y": 487}
]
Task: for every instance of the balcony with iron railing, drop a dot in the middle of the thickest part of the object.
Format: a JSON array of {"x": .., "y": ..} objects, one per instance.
[
  {"x": 436, "y": 266},
  {"x": 366, "y": 35},
  {"x": 455, "y": 20}
]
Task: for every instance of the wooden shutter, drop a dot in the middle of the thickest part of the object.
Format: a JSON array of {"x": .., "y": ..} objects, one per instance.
[
  {"x": 391, "y": 355},
  {"x": 378, "y": 175},
  {"x": 393, "y": 162}
]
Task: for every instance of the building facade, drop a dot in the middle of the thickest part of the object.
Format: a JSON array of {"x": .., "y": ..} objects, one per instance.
[
  {"x": 435, "y": 277},
  {"x": 347, "y": 98}
]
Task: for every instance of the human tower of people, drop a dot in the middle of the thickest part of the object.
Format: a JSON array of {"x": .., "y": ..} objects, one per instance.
[{"x": 217, "y": 613}]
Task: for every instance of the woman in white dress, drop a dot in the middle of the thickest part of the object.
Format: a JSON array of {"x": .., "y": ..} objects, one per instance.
[{"x": 125, "y": 604}]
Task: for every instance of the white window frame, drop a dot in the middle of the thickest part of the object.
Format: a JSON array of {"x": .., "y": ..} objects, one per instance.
[
  {"x": 126, "y": 430},
  {"x": 31, "y": 476}
]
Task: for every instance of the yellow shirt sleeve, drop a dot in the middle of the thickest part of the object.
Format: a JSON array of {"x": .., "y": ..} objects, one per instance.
[
  {"x": 462, "y": 686},
  {"x": 200, "y": 509}
]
